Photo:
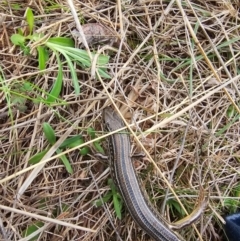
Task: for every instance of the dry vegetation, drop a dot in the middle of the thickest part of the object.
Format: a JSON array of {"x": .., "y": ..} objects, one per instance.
[{"x": 168, "y": 68}]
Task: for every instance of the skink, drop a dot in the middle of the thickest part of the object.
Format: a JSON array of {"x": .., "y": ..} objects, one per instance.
[{"x": 126, "y": 180}]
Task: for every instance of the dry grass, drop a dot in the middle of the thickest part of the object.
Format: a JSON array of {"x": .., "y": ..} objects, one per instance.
[{"x": 168, "y": 68}]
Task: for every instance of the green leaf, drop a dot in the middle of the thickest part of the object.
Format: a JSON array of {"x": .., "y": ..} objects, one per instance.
[
  {"x": 91, "y": 132},
  {"x": 63, "y": 208},
  {"x": 26, "y": 87},
  {"x": 105, "y": 198},
  {"x": 102, "y": 72},
  {"x": 231, "y": 111},
  {"x": 224, "y": 128},
  {"x": 30, "y": 19},
  {"x": 42, "y": 57},
  {"x": 237, "y": 191},
  {"x": 72, "y": 142},
  {"x": 57, "y": 86},
  {"x": 16, "y": 6},
  {"x": 20, "y": 31},
  {"x": 18, "y": 100},
  {"x": 25, "y": 49},
  {"x": 231, "y": 204},
  {"x": 43, "y": 203},
  {"x": 32, "y": 228},
  {"x": 84, "y": 151},
  {"x": 17, "y": 39},
  {"x": 37, "y": 157},
  {"x": 98, "y": 147},
  {"x": 58, "y": 48},
  {"x": 117, "y": 206},
  {"x": 73, "y": 74},
  {"x": 65, "y": 161},
  {"x": 112, "y": 186},
  {"x": 80, "y": 57},
  {"x": 62, "y": 41},
  {"x": 174, "y": 204},
  {"x": 117, "y": 200},
  {"x": 49, "y": 133}
]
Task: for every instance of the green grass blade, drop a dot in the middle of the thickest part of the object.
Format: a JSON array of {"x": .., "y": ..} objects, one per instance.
[
  {"x": 85, "y": 151},
  {"x": 58, "y": 48},
  {"x": 72, "y": 142},
  {"x": 83, "y": 62},
  {"x": 117, "y": 201},
  {"x": 91, "y": 132},
  {"x": 61, "y": 41},
  {"x": 117, "y": 206},
  {"x": 74, "y": 75},
  {"x": 31, "y": 229},
  {"x": 37, "y": 157},
  {"x": 65, "y": 162},
  {"x": 42, "y": 57},
  {"x": 57, "y": 86},
  {"x": 103, "y": 73},
  {"x": 49, "y": 133},
  {"x": 98, "y": 147},
  {"x": 227, "y": 126},
  {"x": 82, "y": 54},
  {"x": 104, "y": 199}
]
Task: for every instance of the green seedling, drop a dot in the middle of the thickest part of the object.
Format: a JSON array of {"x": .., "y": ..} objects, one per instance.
[
  {"x": 57, "y": 211},
  {"x": 232, "y": 203},
  {"x": 31, "y": 229},
  {"x": 51, "y": 137},
  {"x": 233, "y": 116},
  {"x": 97, "y": 144},
  {"x": 58, "y": 46},
  {"x": 70, "y": 142},
  {"x": 114, "y": 196},
  {"x": 174, "y": 205}
]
